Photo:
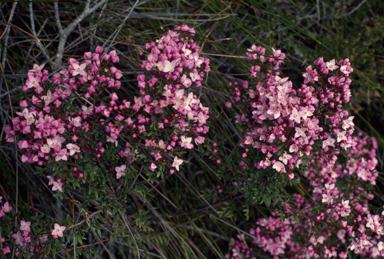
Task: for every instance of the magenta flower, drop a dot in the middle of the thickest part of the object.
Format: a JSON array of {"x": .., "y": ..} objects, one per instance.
[{"x": 6, "y": 250}]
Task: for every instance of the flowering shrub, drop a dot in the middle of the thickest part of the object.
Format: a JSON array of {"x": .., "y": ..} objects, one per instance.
[
  {"x": 91, "y": 141},
  {"x": 333, "y": 220},
  {"x": 83, "y": 134},
  {"x": 306, "y": 130}
]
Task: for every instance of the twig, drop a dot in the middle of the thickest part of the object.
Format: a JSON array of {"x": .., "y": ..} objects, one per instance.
[
  {"x": 86, "y": 219},
  {"x": 4, "y": 57},
  {"x": 134, "y": 239},
  {"x": 9, "y": 19},
  {"x": 67, "y": 31},
  {"x": 239, "y": 196},
  {"x": 354, "y": 9},
  {"x": 39, "y": 44},
  {"x": 101, "y": 242},
  {"x": 134, "y": 180},
  {"x": 116, "y": 32}
]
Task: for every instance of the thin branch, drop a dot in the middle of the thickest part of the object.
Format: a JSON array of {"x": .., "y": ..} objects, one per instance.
[
  {"x": 116, "y": 32},
  {"x": 133, "y": 237},
  {"x": 134, "y": 180},
  {"x": 57, "y": 18},
  {"x": 39, "y": 45},
  {"x": 354, "y": 9},
  {"x": 33, "y": 43},
  {"x": 65, "y": 33},
  {"x": 86, "y": 219},
  {"x": 4, "y": 57},
  {"x": 9, "y": 19},
  {"x": 239, "y": 196}
]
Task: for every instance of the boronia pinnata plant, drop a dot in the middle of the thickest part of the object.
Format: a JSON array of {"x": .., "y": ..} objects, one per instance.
[
  {"x": 302, "y": 133},
  {"x": 91, "y": 141},
  {"x": 84, "y": 135}
]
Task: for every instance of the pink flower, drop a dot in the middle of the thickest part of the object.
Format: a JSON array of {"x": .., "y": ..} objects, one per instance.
[
  {"x": 61, "y": 155},
  {"x": 202, "y": 118},
  {"x": 177, "y": 162},
  {"x": 73, "y": 149},
  {"x": 331, "y": 65},
  {"x": 51, "y": 180},
  {"x": 99, "y": 49},
  {"x": 120, "y": 171},
  {"x": 186, "y": 142},
  {"x": 112, "y": 140},
  {"x": 153, "y": 167},
  {"x": 32, "y": 81},
  {"x": 285, "y": 157},
  {"x": 169, "y": 66},
  {"x": 87, "y": 110},
  {"x": 185, "y": 81},
  {"x": 37, "y": 68},
  {"x": 6, "y": 208},
  {"x": 79, "y": 70},
  {"x": 199, "y": 140},
  {"x": 6, "y": 250},
  {"x": 19, "y": 238},
  {"x": 278, "y": 166},
  {"x": 44, "y": 238},
  {"x": 24, "y": 226},
  {"x": 45, "y": 149},
  {"x": 296, "y": 115},
  {"x": 58, "y": 230},
  {"x": 341, "y": 136},
  {"x": 57, "y": 186},
  {"x": 329, "y": 142},
  {"x": 22, "y": 144}
]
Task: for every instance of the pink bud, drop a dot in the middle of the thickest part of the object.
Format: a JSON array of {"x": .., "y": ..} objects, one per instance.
[
  {"x": 113, "y": 70},
  {"x": 24, "y": 104},
  {"x": 99, "y": 49},
  {"x": 114, "y": 97},
  {"x": 87, "y": 55}
]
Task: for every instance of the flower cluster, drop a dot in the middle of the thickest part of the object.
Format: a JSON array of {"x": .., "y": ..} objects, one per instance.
[
  {"x": 47, "y": 131},
  {"x": 336, "y": 212},
  {"x": 295, "y": 120},
  {"x": 81, "y": 125},
  {"x": 176, "y": 58},
  {"x": 24, "y": 239},
  {"x": 81, "y": 116},
  {"x": 168, "y": 105}
]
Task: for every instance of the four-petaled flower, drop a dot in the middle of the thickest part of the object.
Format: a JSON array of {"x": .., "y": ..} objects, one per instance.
[
  {"x": 57, "y": 186},
  {"x": 120, "y": 171},
  {"x": 58, "y": 231},
  {"x": 177, "y": 162},
  {"x": 24, "y": 226}
]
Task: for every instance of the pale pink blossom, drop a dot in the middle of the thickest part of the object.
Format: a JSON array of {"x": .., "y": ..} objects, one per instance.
[
  {"x": 120, "y": 171},
  {"x": 58, "y": 230},
  {"x": 57, "y": 186},
  {"x": 177, "y": 162}
]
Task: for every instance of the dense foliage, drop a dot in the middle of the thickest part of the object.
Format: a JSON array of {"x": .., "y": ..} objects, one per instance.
[{"x": 139, "y": 141}]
